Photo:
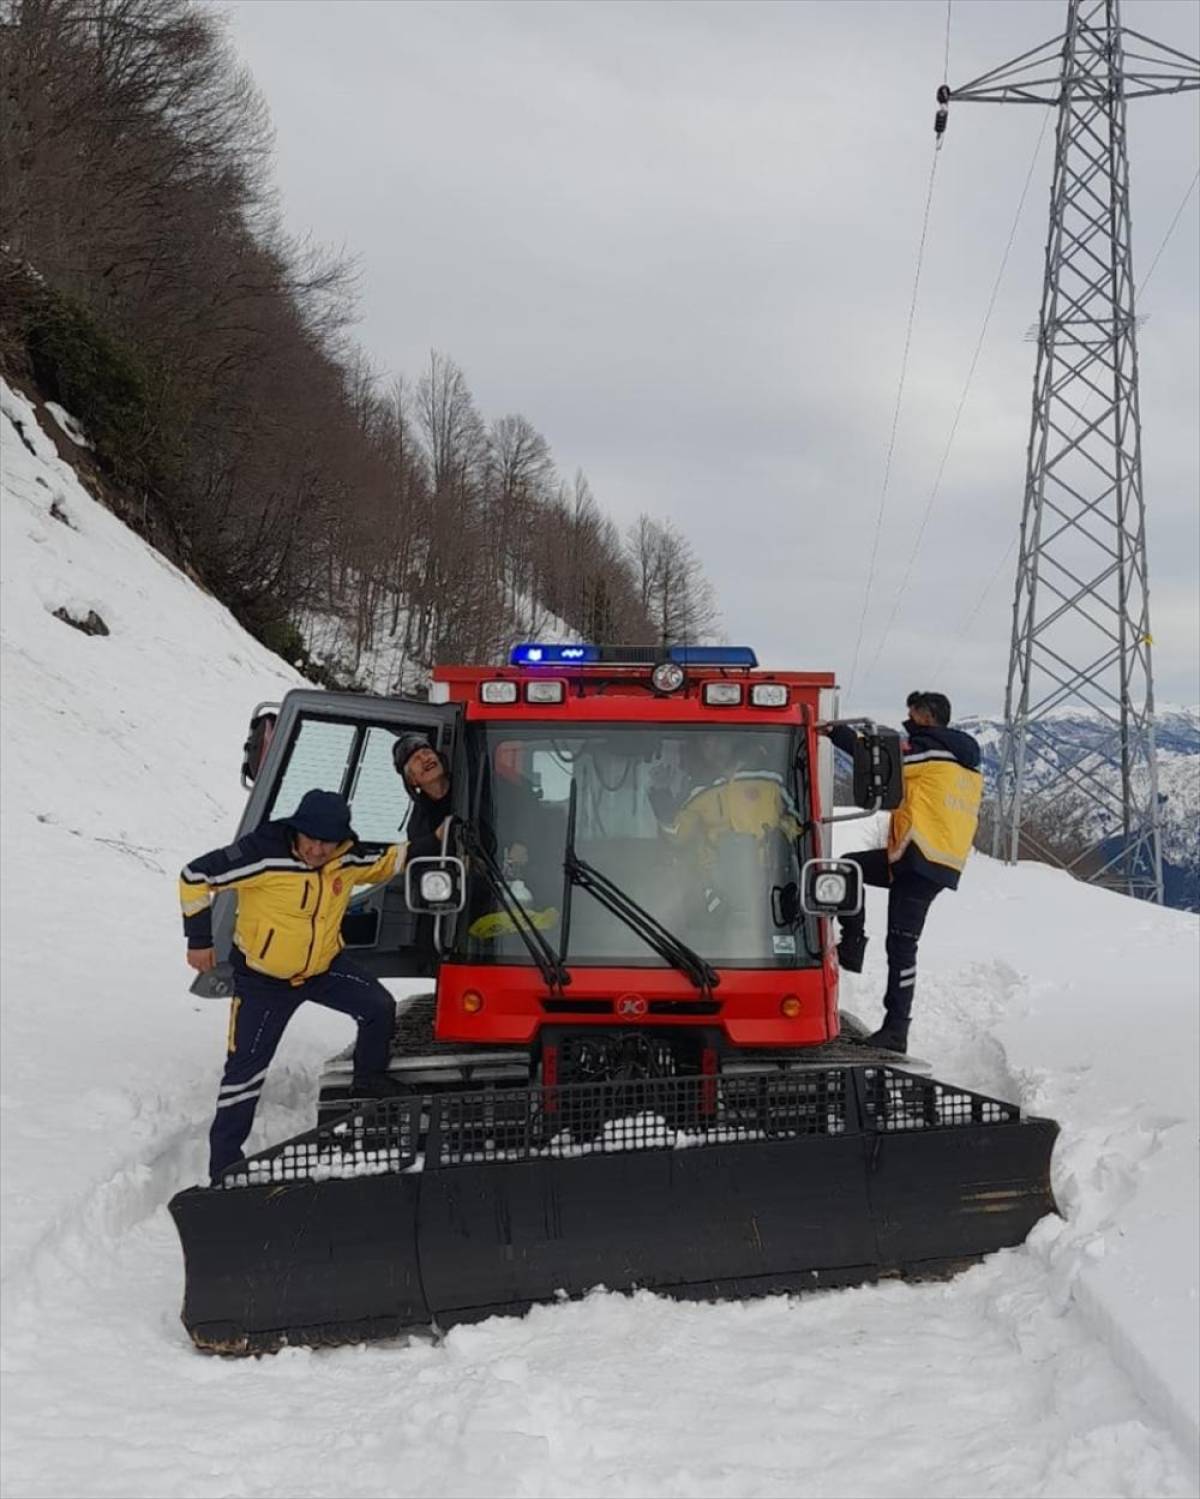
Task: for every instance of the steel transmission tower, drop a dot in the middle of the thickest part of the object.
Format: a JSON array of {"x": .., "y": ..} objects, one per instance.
[{"x": 1081, "y": 621}]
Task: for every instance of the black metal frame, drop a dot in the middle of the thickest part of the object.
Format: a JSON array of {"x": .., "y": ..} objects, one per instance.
[{"x": 457, "y": 1206}]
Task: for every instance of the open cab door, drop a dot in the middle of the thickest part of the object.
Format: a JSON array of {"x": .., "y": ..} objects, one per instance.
[{"x": 342, "y": 741}]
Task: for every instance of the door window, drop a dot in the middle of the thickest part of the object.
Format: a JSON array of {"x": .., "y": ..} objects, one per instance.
[
  {"x": 320, "y": 754},
  {"x": 354, "y": 759},
  {"x": 379, "y": 798}
]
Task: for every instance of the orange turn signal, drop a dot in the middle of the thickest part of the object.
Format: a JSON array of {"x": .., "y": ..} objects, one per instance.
[
  {"x": 472, "y": 1002},
  {"x": 789, "y": 1005}
]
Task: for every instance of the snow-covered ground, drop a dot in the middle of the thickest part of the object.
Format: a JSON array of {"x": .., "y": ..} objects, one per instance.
[{"x": 1066, "y": 1367}]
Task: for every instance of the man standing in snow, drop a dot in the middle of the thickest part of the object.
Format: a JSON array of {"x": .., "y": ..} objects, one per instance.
[
  {"x": 292, "y": 880},
  {"x": 929, "y": 838}
]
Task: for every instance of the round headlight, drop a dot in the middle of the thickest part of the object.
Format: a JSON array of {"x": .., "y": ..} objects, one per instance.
[
  {"x": 667, "y": 676},
  {"x": 830, "y": 889},
  {"x": 437, "y": 887}
]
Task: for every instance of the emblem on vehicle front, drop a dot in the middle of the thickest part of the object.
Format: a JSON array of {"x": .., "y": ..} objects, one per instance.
[{"x": 631, "y": 1005}]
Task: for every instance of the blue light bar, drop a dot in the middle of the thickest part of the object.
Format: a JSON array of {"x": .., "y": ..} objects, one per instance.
[
  {"x": 554, "y": 655},
  {"x": 713, "y": 655},
  {"x": 533, "y": 653}
]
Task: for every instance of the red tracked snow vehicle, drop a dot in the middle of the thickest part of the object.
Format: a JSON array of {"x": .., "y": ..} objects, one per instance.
[{"x": 631, "y": 1070}]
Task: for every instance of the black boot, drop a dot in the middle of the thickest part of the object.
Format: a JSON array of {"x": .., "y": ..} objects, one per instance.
[
  {"x": 852, "y": 949},
  {"x": 889, "y": 1037}
]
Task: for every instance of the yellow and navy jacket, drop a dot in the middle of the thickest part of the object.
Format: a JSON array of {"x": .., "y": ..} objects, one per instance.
[
  {"x": 289, "y": 916},
  {"x": 933, "y": 828},
  {"x": 749, "y": 801}
]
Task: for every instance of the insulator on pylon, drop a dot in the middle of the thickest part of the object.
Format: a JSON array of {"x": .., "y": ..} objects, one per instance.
[{"x": 943, "y": 112}]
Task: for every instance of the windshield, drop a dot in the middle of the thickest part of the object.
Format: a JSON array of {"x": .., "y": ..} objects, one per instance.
[{"x": 698, "y": 825}]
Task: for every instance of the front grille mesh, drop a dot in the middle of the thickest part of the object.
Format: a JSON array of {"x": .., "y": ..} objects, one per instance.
[
  {"x": 604, "y": 1119},
  {"x": 374, "y": 1141},
  {"x": 895, "y": 1101},
  {"x": 674, "y": 1113}
]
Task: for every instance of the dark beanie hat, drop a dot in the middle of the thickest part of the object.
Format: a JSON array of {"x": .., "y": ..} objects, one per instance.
[{"x": 324, "y": 815}]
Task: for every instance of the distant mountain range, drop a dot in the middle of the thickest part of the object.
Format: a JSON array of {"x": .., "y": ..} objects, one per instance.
[{"x": 1177, "y": 734}]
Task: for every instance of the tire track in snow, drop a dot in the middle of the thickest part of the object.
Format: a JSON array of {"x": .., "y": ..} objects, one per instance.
[{"x": 178, "y": 1152}]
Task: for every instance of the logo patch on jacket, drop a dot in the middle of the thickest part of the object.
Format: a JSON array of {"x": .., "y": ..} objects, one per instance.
[{"x": 337, "y": 886}]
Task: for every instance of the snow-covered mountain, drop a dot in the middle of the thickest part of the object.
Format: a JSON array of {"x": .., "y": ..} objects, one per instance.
[
  {"x": 1067, "y": 1366},
  {"x": 1073, "y": 734}
]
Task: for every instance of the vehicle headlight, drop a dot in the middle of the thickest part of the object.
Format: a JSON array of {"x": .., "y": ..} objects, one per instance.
[
  {"x": 437, "y": 887},
  {"x": 830, "y": 889}
]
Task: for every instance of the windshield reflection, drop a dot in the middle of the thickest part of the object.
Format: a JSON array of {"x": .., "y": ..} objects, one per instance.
[{"x": 697, "y": 825}]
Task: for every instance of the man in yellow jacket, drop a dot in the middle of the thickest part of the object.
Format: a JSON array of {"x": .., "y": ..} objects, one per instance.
[
  {"x": 726, "y": 825},
  {"x": 292, "y": 880},
  {"x": 929, "y": 838}
]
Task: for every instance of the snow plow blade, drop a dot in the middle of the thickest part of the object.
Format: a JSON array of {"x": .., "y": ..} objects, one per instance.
[{"x": 424, "y": 1212}]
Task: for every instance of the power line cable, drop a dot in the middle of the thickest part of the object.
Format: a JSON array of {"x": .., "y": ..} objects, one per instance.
[
  {"x": 959, "y": 638},
  {"x": 887, "y": 469},
  {"x": 946, "y": 58},
  {"x": 1191, "y": 188},
  {"x": 962, "y": 401}
]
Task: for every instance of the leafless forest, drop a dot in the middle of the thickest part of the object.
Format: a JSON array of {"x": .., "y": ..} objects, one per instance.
[{"x": 147, "y": 284}]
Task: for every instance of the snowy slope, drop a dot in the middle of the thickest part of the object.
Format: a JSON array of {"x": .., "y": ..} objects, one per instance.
[{"x": 1067, "y": 1367}]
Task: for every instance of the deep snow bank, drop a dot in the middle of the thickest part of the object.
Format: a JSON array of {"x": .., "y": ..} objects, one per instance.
[
  {"x": 1059, "y": 1368},
  {"x": 120, "y": 761}
]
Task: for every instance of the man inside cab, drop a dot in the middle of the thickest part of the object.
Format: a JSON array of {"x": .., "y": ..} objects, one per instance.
[{"x": 725, "y": 823}]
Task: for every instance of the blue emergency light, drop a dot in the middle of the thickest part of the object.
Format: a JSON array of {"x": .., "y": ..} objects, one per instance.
[
  {"x": 554, "y": 655},
  {"x": 713, "y": 655},
  {"x": 580, "y": 654}
]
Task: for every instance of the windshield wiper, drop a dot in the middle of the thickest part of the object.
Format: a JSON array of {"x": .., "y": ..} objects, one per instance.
[
  {"x": 550, "y": 965},
  {"x": 665, "y": 943}
]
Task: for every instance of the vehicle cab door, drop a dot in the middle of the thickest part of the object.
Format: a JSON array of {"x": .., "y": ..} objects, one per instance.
[{"x": 342, "y": 741}]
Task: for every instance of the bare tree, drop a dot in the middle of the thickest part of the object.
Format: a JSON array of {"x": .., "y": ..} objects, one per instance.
[
  {"x": 672, "y": 589},
  {"x": 208, "y": 353}
]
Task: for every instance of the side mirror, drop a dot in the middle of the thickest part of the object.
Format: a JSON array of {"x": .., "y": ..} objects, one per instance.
[
  {"x": 831, "y": 887},
  {"x": 258, "y": 742},
  {"x": 217, "y": 983},
  {"x": 435, "y": 885},
  {"x": 878, "y": 773}
]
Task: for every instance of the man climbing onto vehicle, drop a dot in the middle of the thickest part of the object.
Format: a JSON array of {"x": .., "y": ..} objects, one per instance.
[
  {"x": 929, "y": 838},
  {"x": 292, "y": 880}
]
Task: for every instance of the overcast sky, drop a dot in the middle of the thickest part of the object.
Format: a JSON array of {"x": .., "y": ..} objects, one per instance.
[{"x": 681, "y": 238}]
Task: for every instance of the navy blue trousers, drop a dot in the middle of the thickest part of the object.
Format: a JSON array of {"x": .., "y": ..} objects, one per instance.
[
  {"x": 258, "y": 1017},
  {"x": 909, "y": 899}
]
